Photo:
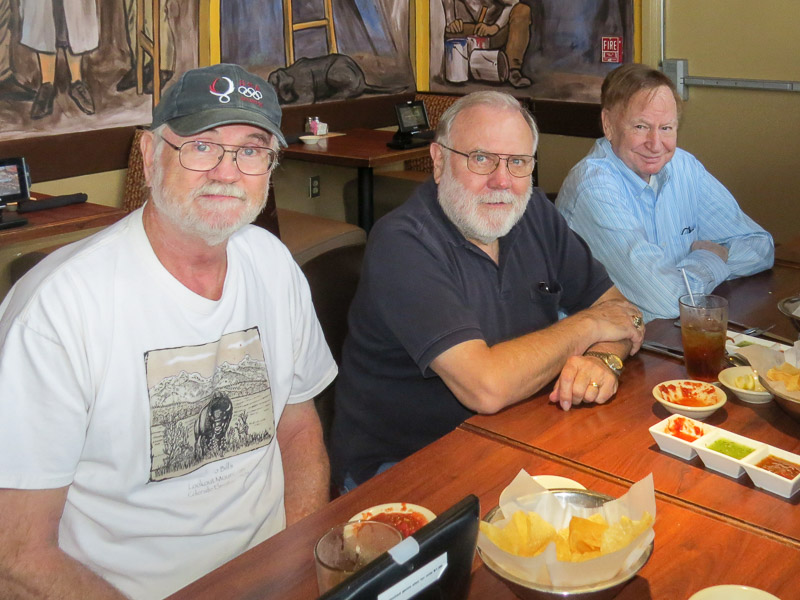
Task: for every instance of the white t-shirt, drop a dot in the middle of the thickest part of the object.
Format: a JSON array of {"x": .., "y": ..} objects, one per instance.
[{"x": 158, "y": 407}]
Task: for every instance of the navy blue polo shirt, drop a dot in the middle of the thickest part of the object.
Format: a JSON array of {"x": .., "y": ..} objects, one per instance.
[{"x": 424, "y": 288}]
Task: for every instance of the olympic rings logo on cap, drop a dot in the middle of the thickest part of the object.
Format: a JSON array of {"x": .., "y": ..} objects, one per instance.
[
  {"x": 224, "y": 97},
  {"x": 249, "y": 92}
]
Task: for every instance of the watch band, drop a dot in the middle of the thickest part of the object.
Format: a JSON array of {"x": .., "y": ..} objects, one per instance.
[{"x": 612, "y": 361}]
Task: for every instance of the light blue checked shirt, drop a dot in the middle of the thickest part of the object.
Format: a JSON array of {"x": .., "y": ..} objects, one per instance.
[{"x": 643, "y": 233}]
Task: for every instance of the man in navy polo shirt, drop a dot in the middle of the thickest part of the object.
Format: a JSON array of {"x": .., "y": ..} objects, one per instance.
[{"x": 457, "y": 311}]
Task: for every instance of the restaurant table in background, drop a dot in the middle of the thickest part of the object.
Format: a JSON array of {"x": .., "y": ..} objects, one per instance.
[
  {"x": 692, "y": 550},
  {"x": 46, "y": 229},
  {"x": 64, "y": 219},
  {"x": 364, "y": 149}
]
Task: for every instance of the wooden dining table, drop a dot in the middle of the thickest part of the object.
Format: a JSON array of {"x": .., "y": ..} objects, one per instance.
[
  {"x": 693, "y": 550},
  {"x": 614, "y": 438},
  {"x": 361, "y": 148},
  {"x": 709, "y": 529}
]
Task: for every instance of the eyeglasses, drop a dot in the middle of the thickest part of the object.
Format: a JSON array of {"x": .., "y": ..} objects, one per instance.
[
  {"x": 485, "y": 163},
  {"x": 196, "y": 155}
]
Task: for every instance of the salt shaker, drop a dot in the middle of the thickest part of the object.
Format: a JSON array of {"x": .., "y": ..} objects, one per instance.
[{"x": 312, "y": 125}]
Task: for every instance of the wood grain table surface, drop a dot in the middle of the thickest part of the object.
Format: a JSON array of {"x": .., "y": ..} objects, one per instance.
[
  {"x": 364, "y": 149},
  {"x": 64, "y": 219},
  {"x": 356, "y": 148},
  {"x": 692, "y": 550},
  {"x": 614, "y": 438}
]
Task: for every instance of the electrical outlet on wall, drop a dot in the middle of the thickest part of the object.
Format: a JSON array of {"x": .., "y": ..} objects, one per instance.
[{"x": 313, "y": 186}]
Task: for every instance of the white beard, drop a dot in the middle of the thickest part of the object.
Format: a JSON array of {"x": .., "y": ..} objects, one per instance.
[
  {"x": 462, "y": 207},
  {"x": 209, "y": 221}
]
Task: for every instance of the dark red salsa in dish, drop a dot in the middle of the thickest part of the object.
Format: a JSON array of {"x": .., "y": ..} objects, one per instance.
[{"x": 779, "y": 466}]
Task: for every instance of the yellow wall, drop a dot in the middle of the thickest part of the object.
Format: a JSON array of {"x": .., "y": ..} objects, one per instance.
[{"x": 749, "y": 139}]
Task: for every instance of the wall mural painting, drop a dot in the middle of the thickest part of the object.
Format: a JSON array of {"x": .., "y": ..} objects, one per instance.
[
  {"x": 70, "y": 65},
  {"x": 547, "y": 49},
  {"x": 362, "y": 49}
]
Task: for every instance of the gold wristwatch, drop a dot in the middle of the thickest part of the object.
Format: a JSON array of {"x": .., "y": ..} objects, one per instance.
[{"x": 612, "y": 361}]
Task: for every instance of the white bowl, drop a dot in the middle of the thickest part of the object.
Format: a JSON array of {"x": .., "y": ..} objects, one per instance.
[
  {"x": 668, "y": 442},
  {"x": 727, "y": 465},
  {"x": 732, "y": 592},
  {"x": 727, "y": 377},
  {"x": 695, "y": 412},
  {"x": 768, "y": 480},
  {"x": 310, "y": 139},
  {"x": 396, "y": 508}
]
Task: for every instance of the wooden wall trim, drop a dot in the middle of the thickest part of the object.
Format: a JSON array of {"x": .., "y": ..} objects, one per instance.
[
  {"x": 579, "y": 119},
  {"x": 72, "y": 154},
  {"x": 89, "y": 152}
]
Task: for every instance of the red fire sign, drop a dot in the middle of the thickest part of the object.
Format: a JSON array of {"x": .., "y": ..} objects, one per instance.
[{"x": 612, "y": 49}]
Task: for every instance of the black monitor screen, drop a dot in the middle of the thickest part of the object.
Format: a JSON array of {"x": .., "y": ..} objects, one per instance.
[
  {"x": 412, "y": 116},
  {"x": 432, "y": 564}
]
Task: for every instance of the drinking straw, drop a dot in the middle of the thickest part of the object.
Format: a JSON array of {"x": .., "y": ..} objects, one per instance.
[{"x": 688, "y": 289}]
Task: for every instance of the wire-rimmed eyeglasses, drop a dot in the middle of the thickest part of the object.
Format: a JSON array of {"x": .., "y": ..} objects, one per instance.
[
  {"x": 197, "y": 155},
  {"x": 485, "y": 163}
]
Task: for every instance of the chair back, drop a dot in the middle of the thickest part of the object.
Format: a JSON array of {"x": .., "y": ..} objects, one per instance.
[
  {"x": 435, "y": 105},
  {"x": 333, "y": 279}
]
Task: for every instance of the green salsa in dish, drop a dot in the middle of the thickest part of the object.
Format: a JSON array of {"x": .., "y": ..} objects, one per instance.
[{"x": 730, "y": 448}]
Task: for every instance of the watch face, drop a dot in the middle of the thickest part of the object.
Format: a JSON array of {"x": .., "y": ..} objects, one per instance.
[{"x": 614, "y": 361}]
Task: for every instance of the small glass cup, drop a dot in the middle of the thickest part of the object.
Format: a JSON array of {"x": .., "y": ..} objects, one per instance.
[
  {"x": 704, "y": 329},
  {"x": 348, "y": 547}
]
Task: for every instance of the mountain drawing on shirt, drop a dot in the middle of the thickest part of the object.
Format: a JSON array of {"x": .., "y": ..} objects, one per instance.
[
  {"x": 208, "y": 403},
  {"x": 191, "y": 387}
]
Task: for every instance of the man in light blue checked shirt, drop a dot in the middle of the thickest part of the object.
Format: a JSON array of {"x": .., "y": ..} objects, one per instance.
[{"x": 648, "y": 209}]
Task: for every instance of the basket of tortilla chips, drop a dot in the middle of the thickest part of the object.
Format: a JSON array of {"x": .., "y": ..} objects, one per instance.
[{"x": 567, "y": 543}]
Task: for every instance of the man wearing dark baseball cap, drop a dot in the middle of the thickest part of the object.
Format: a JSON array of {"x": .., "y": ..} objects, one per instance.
[{"x": 168, "y": 366}]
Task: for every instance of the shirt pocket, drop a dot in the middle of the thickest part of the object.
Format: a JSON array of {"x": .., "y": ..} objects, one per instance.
[{"x": 546, "y": 299}]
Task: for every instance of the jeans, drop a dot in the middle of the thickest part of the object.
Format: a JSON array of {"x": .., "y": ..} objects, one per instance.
[{"x": 349, "y": 483}]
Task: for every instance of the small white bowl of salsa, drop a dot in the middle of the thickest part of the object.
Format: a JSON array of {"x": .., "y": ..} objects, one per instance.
[
  {"x": 774, "y": 470},
  {"x": 690, "y": 398},
  {"x": 676, "y": 433},
  {"x": 723, "y": 451}
]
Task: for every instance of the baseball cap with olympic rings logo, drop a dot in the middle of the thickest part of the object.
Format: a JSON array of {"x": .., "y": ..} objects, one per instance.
[{"x": 223, "y": 94}]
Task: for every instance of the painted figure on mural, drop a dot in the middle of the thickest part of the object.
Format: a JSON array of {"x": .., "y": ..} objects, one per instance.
[
  {"x": 166, "y": 37},
  {"x": 52, "y": 26},
  {"x": 10, "y": 86},
  {"x": 494, "y": 25}
]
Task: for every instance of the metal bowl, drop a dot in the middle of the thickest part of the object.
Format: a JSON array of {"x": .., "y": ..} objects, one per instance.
[
  {"x": 787, "y": 306},
  {"x": 789, "y": 405},
  {"x": 604, "y": 590}
]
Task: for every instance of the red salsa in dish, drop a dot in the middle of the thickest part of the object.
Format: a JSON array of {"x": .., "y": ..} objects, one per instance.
[
  {"x": 684, "y": 429},
  {"x": 405, "y": 522},
  {"x": 689, "y": 393},
  {"x": 779, "y": 466}
]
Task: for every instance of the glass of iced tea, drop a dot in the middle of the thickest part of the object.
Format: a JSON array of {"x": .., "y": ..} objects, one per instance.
[
  {"x": 704, "y": 328},
  {"x": 346, "y": 548}
]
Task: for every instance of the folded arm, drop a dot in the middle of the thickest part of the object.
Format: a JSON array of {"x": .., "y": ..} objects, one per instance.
[
  {"x": 306, "y": 469},
  {"x": 32, "y": 566},
  {"x": 488, "y": 378},
  {"x": 644, "y": 248}
]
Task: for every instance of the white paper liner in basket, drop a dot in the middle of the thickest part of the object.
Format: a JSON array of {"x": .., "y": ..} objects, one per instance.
[
  {"x": 763, "y": 359},
  {"x": 525, "y": 494}
]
